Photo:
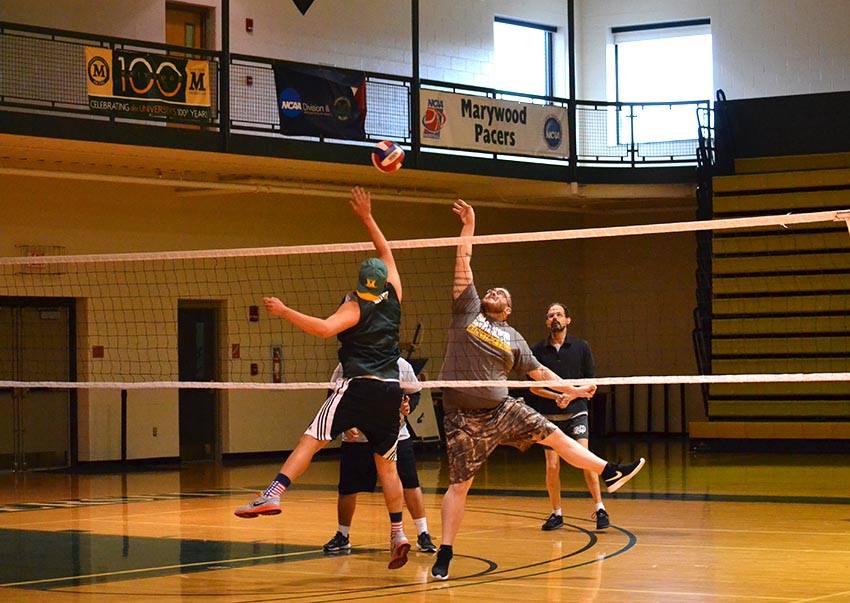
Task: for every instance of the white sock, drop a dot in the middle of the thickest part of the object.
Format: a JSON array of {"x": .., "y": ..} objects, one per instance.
[
  {"x": 600, "y": 506},
  {"x": 421, "y": 525},
  {"x": 558, "y": 512},
  {"x": 343, "y": 530},
  {"x": 397, "y": 531}
]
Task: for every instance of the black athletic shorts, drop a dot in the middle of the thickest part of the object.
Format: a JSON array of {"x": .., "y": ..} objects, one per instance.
[
  {"x": 357, "y": 472},
  {"x": 370, "y": 405},
  {"x": 578, "y": 428}
]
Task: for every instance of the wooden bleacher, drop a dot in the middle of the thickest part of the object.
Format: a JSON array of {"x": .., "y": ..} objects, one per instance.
[{"x": 780, "y": 302}]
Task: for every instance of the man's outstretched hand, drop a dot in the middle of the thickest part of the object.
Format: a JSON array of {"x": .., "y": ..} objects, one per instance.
[
  {"x": 464, "y": 211},
  {"x": 361, "y": 202}
]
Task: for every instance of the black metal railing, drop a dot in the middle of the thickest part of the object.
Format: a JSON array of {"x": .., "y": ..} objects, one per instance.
[
  {"x": 723, "y": 159},
  {"x": 703, "y": 311},
  {"x": 42, "y": 72}
]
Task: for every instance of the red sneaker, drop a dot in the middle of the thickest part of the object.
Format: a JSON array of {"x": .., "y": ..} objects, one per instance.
[{"x": 399, "y": 547}]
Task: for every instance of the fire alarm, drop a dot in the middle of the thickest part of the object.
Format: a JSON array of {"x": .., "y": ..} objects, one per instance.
[
  {"x": 249, "y": 80},
  {"x": 249, "y": 25}
]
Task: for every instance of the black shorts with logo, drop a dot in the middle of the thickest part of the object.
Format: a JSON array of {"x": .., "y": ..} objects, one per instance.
[{"x": 578, "y": 428}]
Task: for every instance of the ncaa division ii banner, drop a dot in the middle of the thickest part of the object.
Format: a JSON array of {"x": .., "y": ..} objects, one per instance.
[
  {"x": 497, "y": 126},
  {"x": 320, "y": 101},
  {"x": 134, "y": 84}
]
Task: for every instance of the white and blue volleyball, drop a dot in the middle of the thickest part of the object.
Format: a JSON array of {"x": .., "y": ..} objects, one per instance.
[{"x": 387, "y": 156}]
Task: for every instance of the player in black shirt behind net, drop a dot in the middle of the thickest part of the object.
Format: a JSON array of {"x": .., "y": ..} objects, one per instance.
[{"x": 569, "y": 357}]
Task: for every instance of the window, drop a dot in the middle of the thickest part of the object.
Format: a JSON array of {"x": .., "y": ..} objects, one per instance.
[
  {"x": 522, "y": 59},
  {"x": 662, "y": 62}
]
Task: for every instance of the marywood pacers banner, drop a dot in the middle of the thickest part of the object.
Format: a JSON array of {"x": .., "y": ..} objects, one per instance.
[
  {"x": 134, "y": 84},
  {"x": 497, "y": 126}
]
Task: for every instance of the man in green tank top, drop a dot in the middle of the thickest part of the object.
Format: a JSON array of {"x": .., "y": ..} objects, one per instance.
[{"x": 368, "y": 396}]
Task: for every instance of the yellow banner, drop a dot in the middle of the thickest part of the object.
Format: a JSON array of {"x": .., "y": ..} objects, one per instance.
[
  {"x": 138, "y": 84},
  {"x": 99, "y": 71}
]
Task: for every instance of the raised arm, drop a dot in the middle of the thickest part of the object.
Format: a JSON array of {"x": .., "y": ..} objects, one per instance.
[
  {"x": 563, "y": 394},
  {"x": 345, "y": 317},
  {"x": 463, "y": 268},
  {"x": 361, "y": 203}
]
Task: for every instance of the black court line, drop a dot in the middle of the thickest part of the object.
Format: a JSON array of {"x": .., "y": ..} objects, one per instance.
[
  {"x": 499, "y": 575},
  {"x": 486, "y": 576},
  {"x": 508, "y": 492}
]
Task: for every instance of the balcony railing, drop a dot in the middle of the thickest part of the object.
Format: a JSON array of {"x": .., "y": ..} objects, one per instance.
[{"x": 42, "y": 72}]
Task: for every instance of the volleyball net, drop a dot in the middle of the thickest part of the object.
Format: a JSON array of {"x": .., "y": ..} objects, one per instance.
[{"x": 195, "y": 319}]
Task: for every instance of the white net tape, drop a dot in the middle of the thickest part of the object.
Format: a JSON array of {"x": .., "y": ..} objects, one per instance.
[
  {"x": 554, "y": 235},
  {"x": 783, "y": 221},
  {"x": 641, "y": 380}
]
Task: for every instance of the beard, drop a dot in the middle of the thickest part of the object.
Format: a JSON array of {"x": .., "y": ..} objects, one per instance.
[
  {"x": 556, "y": 326},
  {"x": 490, "y": 306}
]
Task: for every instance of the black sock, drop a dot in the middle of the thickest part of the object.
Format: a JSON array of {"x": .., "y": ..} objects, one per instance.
[
  {"x": 609, "y": 471},
  {"x": 446, "y": 550},
  {"x": 396, "y": 517}
]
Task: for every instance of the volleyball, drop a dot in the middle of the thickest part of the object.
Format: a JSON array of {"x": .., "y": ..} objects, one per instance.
[{"x": 387, "y": 156}]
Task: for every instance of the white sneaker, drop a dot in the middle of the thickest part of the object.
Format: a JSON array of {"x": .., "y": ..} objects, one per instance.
[{"x": 262, "y": 505}]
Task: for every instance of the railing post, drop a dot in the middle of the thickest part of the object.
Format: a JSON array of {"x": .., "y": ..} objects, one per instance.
[
  {"x": 415, "y": 84},
  {"x": 224, "y": 80},
  {"x": 632, "y": 145},
  {"x": 572, "y": 122}
]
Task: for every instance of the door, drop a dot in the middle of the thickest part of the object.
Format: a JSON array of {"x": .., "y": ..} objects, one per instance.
[
  {"x": 35, "y": 423},
  {"x": 186, "y": 25},
  {"x": 197, "y": 361}
]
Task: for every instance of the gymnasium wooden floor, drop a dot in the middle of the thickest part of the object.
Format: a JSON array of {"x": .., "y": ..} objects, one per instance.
[{"x": 704, "y": 527}]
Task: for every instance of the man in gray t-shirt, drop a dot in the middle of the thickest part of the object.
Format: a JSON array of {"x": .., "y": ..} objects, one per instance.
[{"x": 483, "y": 347}]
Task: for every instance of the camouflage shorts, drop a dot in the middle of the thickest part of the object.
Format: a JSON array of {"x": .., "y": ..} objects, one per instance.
[{"x": 472, "y": 435}]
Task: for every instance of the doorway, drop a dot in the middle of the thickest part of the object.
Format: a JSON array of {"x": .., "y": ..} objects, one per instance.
[
  {"x": 37, "y": 344},
  {"x": 187, "y": 25},
  {"x": 197, "y": 341}
]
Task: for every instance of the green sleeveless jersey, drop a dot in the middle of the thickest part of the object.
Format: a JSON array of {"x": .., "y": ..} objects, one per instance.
[{"x": 370, "y": 348}]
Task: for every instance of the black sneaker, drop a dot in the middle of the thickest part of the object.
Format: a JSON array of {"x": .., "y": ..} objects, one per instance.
[
  {"x": 337, "y": 544},
  {"x": 440, "y": 570},
  {"x": 424, "y": 543},
  {"x": 553, "y": 523},
  {"x": 620, "y": 474},
  {"x": 602, "y": 520}
]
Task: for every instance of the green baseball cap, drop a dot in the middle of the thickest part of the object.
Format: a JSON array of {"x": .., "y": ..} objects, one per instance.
[{"x": 372, "y": 279}]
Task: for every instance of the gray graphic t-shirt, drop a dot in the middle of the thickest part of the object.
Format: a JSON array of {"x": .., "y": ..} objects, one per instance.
[{"x": 481, "y": 349}]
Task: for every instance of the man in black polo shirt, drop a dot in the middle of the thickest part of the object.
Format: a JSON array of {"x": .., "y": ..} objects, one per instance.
[{"x": 570, "y": 358}]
